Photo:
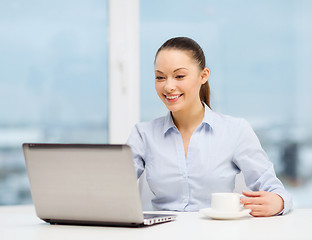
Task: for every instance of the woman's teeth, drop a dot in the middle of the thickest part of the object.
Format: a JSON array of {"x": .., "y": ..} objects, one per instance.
[{"x": 173, "y": 97}]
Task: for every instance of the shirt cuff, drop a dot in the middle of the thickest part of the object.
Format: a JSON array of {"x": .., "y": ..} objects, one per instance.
[{"x": 288, "y": 204}]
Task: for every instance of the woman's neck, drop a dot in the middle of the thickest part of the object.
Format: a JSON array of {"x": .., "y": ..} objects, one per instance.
[{"x": 189, "y": 119}]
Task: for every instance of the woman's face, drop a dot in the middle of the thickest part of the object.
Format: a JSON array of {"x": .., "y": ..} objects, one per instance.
[{"x": 178, "y": 79}]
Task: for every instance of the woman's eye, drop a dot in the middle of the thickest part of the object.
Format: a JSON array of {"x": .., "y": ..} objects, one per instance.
[
  {"x": 180, "y": 76},
  {"x": 159, "y": 78}
]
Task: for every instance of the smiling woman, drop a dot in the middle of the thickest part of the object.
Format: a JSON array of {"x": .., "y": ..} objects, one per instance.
[
  {"x": 194, "y": 151},
  {"x": 195, "y": 61},
  {"x": 180, "y": 75}
]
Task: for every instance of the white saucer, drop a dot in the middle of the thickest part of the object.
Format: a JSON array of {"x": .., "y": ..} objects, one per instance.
[{"x": 208, "y": 212}]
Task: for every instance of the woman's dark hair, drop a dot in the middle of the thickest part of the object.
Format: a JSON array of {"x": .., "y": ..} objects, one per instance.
[{"x": 187, "y": 44}]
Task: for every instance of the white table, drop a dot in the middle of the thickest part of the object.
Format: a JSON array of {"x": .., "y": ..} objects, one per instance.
[{"x": 21, "y": 222}]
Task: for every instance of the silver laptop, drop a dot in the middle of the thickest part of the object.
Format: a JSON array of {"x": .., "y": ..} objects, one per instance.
[{"x": 88, "y": 184}]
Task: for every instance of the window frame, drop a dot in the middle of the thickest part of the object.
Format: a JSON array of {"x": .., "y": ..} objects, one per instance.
[{"x": 124, "y": 69}]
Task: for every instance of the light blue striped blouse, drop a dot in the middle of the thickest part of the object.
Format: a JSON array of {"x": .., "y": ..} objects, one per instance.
[{"x": 220, "y": 148}]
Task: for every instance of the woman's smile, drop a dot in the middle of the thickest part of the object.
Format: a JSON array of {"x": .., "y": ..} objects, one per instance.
[{"x": 173, "y": 97}]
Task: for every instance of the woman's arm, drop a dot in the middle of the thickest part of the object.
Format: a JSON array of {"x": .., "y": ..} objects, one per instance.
[
  {"x": 135, "y": 141},
  {"x": 269, "y": 196}
]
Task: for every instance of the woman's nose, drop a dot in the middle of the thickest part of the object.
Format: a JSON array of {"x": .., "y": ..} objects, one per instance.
[{"x": 170, "y": 85}]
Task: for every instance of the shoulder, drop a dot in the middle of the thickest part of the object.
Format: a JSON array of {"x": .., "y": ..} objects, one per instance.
[
  {"x": 230, "y": 127},
  {"x": 221, "y": 120},
  {"x": 143, "y": 132},
  {"x": 235, "y": 130},
  {"x": 151, "y": 126}
]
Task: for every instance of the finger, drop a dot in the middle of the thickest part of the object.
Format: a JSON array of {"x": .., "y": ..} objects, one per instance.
[
  {"x": 254, "y": 208},
  {"x": 252, "y": 200},
  {"x": 260, "y": 213},
  {"x": 253, "y": 194},
  {"x": 257, "y": 214}
]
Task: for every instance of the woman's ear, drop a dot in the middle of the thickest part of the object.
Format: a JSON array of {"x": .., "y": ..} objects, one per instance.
[{"x": 204, "y": 75}]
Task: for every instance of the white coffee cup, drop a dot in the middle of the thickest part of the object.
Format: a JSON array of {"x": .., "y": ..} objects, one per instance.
[{"x": 226, "y": 202}]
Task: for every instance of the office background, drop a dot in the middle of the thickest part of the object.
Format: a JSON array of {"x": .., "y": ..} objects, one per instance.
[{"x": 54, "y": 76}]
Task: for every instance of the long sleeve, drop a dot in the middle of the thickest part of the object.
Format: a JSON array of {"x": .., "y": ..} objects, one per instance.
[
  {"x": 257, "y": 169},
  {"x": 135, "y": 141}
]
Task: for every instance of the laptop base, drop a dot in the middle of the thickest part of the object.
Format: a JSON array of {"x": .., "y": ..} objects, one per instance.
[{"x": 150, "y": 219}]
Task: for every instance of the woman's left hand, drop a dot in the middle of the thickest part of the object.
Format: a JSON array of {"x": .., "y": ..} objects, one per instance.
[{"x": 262, "y": 203}]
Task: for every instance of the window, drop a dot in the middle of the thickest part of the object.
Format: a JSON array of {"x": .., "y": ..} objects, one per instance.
[{"x": 54, "y": 77}]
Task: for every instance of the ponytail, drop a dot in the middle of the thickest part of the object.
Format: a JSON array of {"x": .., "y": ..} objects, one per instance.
[{"x": 204, "y": 93}]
